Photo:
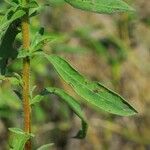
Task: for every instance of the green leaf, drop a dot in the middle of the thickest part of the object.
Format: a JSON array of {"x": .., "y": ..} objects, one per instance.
[
  {"x": 14, "y": 79},
  {"x": 7, "y": 51},
  {"x": 23, "y": 53},
  {"x": 46, "y": 147},
  {"x": 32, "y": 4},
  {"x": 70, "y": 101},
  {"x": 18, "y": 138},
  {"x": 8, "y": 33},
  {"x": 11, "y": 15},
  {"x": 94, "y": 93},
  {"x": 40, "y": 39},
  {"x": 101, "y": 6},
  {"x": 36, "y": 10},
  {"x": 38, "y": 42}
]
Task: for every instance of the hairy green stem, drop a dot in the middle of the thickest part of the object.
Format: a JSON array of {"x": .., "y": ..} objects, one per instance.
[{"x": 26, "y": 77}]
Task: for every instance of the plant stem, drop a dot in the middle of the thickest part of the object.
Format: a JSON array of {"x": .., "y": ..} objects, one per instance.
[{"x": 26, "y": 77}]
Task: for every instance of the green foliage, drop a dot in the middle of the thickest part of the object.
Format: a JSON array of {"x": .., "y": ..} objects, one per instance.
[
  {"x": 9, "y": 26},
  {"x": 70, "y": 101},
  {"x": 38, "y": 42},
  {"x": 40, "y": 39},
  {"x": 7, "y": 51},
  {"x": 93, "y": 93},
  {"x": 11, "y": 15},
  {"x": 18, "y": 138},
  {"x": 14, "y": 79},
  {"x": 100, "y": 6}
]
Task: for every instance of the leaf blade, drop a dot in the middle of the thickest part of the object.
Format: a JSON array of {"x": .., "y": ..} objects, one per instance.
[
  {"x": 18, "y": 138},
  {"x": 94, "y": 93},
  {"x": 101, "y": 6},
  {"x": 70, "y": 101}
]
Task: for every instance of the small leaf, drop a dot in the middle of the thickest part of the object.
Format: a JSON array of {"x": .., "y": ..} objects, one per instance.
[
  {"x": 32, "y": 4},
  {"x": 18, "y": 138},
  {"x": 12, "y": 79},
  {"x": 7, "y": 51},
  {"x": 94, "y": 93},
  {"x": 70, "y": 101},
  {"x": 7, "y": 20},
  {"x": 32, "y": 90},
  {"x": 101, "y": 6},
  {"x": 9, "y": 26},
  {"x": 36, "y": 10},
  {"x": 40, "y": 39},
  {"x": 23, "y": 53}
]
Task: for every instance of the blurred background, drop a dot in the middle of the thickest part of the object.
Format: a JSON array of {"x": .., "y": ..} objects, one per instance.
[{"x": 113, "y": 49}]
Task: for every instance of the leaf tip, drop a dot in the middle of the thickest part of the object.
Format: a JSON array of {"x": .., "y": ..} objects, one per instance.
[
  {"x": 134, "y": 112},
  {"x": 131, "y": 112}
]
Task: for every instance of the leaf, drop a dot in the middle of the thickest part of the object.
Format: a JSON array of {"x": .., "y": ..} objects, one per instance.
[
  {"x": 101, "y": 6},
  {"x": 70, "y": 101},
  {"x": 18, "y": 138},
  {"x": 32, "y": 4},
  {"x": 8, "y": 33},
  {"x": 36, "y": 10},
  {"x": 23, "y": 53},
  {"x": 12, "y": 79},
  {"x": 94, "y": 93},
  {"x": 46, "y": 147},
  {"x": 11, "y": 2},
  {"x": 11, "y": 15},
  {"x": 40, "y": 39},
  {"x": 8, "y": 51}
]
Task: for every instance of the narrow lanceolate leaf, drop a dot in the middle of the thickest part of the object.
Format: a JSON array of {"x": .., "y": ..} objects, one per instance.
[
  {"x": 94, "y": 93},
  {"x": 18, "y": 138},
  {"x": 70, "y": 101},
  {"x": 101, "y": 6}
]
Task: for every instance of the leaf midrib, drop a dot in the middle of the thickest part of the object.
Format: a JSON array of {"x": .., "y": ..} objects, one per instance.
[
  {"x": 90, "y": 90},
  {"x": 109, "y": 7}
]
